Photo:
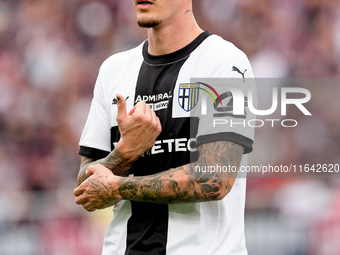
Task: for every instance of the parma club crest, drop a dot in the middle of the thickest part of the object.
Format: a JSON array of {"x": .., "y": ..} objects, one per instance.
[{"x": 188, "y": 95}]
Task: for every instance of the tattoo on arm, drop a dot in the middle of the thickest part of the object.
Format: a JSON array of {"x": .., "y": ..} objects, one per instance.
[
  {"x": 84, "y": 163},
  {"x": 188, "y": 183},
  {"x": 188, "y": 11},
  {"x": 114, "y": 161}
]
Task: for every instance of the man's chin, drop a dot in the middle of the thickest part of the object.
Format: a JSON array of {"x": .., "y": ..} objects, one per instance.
[{"x": 149, "y": 23}]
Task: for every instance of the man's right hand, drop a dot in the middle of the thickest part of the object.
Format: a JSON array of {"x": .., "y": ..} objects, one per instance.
[{"x": 139, "y": 129}]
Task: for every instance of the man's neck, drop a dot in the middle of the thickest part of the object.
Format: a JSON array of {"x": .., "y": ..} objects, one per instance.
[{"x": 170, "y": 38}]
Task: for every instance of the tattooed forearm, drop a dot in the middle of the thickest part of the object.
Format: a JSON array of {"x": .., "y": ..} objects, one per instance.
[
  {"x": 82, "y": 176},
  {"x": 185, "y": 183},
  {"x": 117, "y": 163},
  {"x": 114, "y": 161}
]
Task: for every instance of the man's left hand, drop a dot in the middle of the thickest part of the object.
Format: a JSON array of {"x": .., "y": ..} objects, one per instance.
[{"x": 98, "y": 191}]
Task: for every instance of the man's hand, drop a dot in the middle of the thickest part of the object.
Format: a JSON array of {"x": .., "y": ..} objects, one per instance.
[
  {"x": 139, "y": 129},
  {"x": 98, "y": 191}
]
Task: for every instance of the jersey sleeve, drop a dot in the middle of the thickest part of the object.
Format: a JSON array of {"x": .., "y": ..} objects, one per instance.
[
  {"x": 95, "y": 138},
  {"x": 225, "y": 115}
]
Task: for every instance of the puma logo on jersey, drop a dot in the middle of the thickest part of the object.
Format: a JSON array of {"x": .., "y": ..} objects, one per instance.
[{"x": 235, "y": 69}]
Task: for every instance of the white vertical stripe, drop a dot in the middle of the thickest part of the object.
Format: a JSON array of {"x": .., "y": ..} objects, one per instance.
[{"x": 115, "y": 238}]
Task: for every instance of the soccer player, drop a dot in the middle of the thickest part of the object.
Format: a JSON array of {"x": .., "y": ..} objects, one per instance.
[{"x": 144, "y": 152}]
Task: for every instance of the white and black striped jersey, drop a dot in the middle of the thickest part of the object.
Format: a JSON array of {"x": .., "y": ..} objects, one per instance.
[{"x": 164, "y": 83}]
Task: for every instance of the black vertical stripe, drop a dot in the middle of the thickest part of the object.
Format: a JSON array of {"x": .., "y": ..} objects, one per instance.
[{"x": 147, "y": 229}]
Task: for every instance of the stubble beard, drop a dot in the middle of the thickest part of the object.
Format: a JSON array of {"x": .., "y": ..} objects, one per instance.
[{"x": 149, "y": 23}]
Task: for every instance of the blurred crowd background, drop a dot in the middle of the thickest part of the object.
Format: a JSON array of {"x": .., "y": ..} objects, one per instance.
[{"x": 50, "y": 53}]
